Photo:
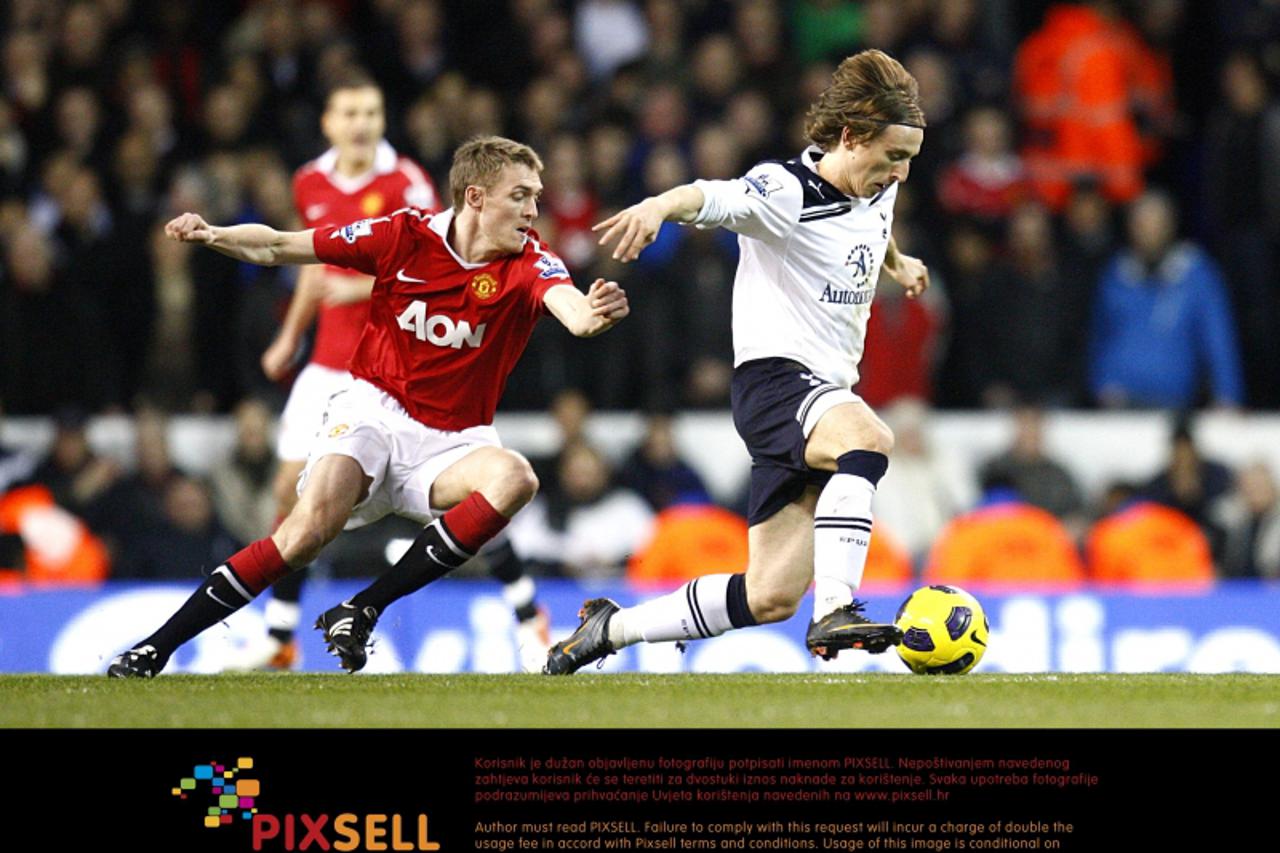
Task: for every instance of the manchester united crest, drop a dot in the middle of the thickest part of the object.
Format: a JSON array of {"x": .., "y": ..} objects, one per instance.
[
  {"x": 372, "y": 203},
  {"x": 484, "y": 286}
]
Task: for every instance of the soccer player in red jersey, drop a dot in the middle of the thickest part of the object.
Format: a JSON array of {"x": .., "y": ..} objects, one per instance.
[
  {"x": 359, "y": 177},
  {"x": 454, "y": 301}
]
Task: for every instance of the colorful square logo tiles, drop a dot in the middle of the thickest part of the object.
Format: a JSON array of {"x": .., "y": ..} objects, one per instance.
[{"x": 231, "y": 791}]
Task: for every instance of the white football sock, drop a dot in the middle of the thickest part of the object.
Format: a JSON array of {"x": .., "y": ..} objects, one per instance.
[
  {"x": 841, "y": 539},
  {"x": 695, "y": 611},
  {"x": 519, "y": 593},
  {"x": 283, "y": 615}
]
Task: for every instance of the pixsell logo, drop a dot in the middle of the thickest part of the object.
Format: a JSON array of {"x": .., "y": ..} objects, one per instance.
[{"x": 232, "y": 791}]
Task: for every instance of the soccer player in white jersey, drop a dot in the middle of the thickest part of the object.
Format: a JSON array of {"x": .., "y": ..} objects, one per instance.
[{"x": 814, "y": 233}]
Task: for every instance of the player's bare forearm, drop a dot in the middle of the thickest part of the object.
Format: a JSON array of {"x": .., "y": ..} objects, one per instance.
[
  {"x": 891, "y": 257},
  {"x": 910, "y": 272},
  {"x": 680, "y": 204},
  {"x": 278, "y": 358},
  {"x": 305, "y": 304},
  {"x": 262, "y": 244},
  {"x": 590, "y": 314},
  {"x": 637, "y": 226},
  {"x": 252, "y": 243}
]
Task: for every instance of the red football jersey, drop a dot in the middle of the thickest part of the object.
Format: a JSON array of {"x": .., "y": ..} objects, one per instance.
[
  {"x": 324, "y": 197},
  {"x": 443, "y": 335}
]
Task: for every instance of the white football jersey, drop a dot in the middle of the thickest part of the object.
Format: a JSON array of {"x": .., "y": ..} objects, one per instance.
[{"x": 810, "y": 257}]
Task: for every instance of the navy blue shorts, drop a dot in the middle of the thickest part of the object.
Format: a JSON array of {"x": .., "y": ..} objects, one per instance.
[{"x": 776, "y": 403}]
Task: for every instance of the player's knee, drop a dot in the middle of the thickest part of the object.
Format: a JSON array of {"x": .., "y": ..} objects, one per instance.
[
  {"x": 873, "y": 436},
  {"x": 303, "y": 535},
  {"x": 882, "y": 440},
  {"x": 300, "y": 546},
  {"x": 529, "y": 484},
  {"x": 517, "y": 484}
]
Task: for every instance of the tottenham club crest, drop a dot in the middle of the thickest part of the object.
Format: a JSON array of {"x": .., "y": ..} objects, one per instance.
[
  {"x": 484, "y": 286},
  {"x": 859, "y": 263}
]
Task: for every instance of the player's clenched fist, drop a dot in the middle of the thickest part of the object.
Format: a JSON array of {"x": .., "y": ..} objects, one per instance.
[
  {"x": 189, "y": 228},
  {"x": 912, "y": 274},
  {"x": 608, "y": 300}
]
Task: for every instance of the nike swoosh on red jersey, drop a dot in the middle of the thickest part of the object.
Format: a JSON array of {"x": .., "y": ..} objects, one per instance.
[{"x": 400, "y": 276}]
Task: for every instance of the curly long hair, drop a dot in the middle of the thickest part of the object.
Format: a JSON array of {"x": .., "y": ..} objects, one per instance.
[{"x": 869, "y": 92}]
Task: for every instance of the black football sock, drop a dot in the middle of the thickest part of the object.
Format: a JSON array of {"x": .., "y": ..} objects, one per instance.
[
  {"x": 221, "y": 594},
  {"x": 433, "y": 555},
  {"x": 518, "y": 589}
]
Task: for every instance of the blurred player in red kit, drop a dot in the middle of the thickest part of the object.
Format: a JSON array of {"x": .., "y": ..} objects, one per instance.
[
  {"x": 454, "y": 300},
  {"x": 360, "y": 176}
]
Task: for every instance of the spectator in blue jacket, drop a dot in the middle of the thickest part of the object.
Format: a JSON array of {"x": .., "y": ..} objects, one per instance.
[{"x": 1163, "y": 333}]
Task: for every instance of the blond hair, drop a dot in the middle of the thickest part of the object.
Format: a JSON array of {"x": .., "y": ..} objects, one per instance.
[
  {"x": 480, "y": 160},
  {"x": 868, "y": 92}
]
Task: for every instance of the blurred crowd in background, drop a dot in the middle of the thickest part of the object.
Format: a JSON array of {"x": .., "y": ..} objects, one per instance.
[{"x": 1096, "y": 200}]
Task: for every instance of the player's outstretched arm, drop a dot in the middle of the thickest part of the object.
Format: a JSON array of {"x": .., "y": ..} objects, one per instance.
[
  {"x": 307, "y": 293},
  {"x": 637, "y": 226},
  {"x": 255, "y": 244},
  {"x": 909, "y": 272},
  {"x": 587, "y": 315}
]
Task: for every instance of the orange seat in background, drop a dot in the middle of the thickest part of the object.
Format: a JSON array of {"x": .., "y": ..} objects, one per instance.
[
  {"x": 57, "y": 547},
  {"x": 1149, "y": 543},
  {"x": 1006, "y": 544},
  {"x": 694, "y": 540}
]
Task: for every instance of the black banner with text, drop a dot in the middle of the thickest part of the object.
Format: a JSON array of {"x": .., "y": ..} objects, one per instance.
[{"x": 458, "y": 790}]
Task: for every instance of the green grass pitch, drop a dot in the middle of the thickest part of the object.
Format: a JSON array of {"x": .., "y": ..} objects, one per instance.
[{"x": 648, "y": 701}]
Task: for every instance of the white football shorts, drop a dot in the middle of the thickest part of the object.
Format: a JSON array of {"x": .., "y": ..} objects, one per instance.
[
  {"x": 303, "y": 411},
  {"x": 404, "y": 457}
]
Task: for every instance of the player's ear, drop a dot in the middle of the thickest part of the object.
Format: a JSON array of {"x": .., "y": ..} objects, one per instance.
[{"x": 474, "y": 197}]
